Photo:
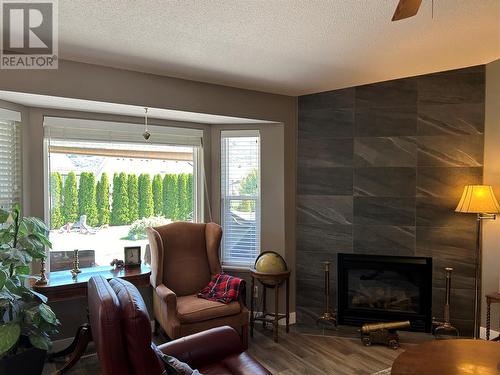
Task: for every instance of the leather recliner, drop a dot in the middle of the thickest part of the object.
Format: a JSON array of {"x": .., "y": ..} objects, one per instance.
[
  {"x": 184, "y": 257},
  {"x": 121, "y": 330}
]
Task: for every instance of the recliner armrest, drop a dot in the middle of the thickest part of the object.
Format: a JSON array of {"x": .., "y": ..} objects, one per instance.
[{"x": 205, "y": 347}]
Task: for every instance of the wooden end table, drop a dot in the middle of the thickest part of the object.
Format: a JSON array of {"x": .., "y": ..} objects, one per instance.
[
  {"x": 449, "y": 357},
  {"x": 491, "y": 298},
  {"x": 62, "y": 286},
  {"x": 272, "y": 281}
]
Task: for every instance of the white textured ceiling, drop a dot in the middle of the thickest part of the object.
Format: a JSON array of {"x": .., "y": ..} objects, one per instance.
[{"x": 284, "y": 46}]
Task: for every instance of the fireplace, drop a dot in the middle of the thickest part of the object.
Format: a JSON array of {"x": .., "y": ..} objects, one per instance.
[{"x": 374, "y": 288}]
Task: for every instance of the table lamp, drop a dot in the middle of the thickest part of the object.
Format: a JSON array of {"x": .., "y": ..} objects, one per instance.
[{"x": 479, "y": 200}]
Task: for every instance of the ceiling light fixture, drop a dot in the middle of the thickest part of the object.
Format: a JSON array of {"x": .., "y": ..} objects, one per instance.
[{"x": 146, "y": 135}]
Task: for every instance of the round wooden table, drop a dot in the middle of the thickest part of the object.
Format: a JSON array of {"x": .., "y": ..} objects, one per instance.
[{"x": 450, "y": 357}]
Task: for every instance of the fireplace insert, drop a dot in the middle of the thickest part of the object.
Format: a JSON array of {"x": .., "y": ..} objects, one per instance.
[{"x": 373, "y": 288}]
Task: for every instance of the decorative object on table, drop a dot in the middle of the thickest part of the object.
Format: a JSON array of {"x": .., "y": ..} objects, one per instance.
[
  {"x": 270, "y": 262},
  {"x": 27, "y": 322},
  {"x": 76, "y": 263},
  {"x": 479, "y": 200},
  {"x": 382, "y": 333},
  {"x": 117, "y": 263},
  {"x": 223, "y": 288},
  {"x": 491, "y": 298},
  {"x": 329, "y": 318},
  {"x": 271, "y": 271},
  {"x": 445, "y": 329},
  {"x": 43, "y": 277},
  {"x": 132, "y": 256}
]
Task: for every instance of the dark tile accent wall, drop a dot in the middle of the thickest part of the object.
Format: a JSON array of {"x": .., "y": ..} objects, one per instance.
[{"x": 380, "y": 170}]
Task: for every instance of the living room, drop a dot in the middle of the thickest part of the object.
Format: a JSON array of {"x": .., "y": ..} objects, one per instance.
[{"x": 253, "y": 187}]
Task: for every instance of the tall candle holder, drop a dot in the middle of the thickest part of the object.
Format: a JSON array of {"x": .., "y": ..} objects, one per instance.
[
  {"x": 43, "y": 277},
  {"x": 328, "y": 316},
  {"x": 76, "y": 264},
  {"x": 445, "y": 329}
]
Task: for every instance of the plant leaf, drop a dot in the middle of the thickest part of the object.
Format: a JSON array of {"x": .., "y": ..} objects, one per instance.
[
  {"x": 3, "y": 216},
  {"x": 22, "y": 270},
  {"x": 40, "y": 296},
  {"x": 3, "y": 278},
  {"x": 47, "y": 314},
  {"x": 40, "y": 342},
  {"x": 9, "y": 335}
]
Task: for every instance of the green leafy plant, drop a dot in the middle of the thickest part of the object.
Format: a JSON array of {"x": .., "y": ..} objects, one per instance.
[
  {"x": 119, "y": 208},
  {"x": 70, "y": 199},
  {"x": 23, "y": 312},
  {"x": 56, "y": 216},
  {"x": 145, "y": 196},
  {"x": 133, "y": 198},
  {"x": 137, "y": 230},
  {"x": 87, "y": 204},
  {"x": 102, "y": 199},
  {"x": 157, "y": 195},
  {"x": 170, "y": 203}
]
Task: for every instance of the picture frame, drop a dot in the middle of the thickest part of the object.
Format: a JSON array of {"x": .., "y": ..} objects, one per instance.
[{"x": 132, "y": 256}]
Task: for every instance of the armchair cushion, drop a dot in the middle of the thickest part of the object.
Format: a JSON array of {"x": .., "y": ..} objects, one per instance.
[{"x": 191, "y": 309}]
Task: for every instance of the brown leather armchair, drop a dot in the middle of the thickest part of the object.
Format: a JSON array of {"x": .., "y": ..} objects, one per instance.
[
  {"x": 121, "y": 331},
  {"x": 184, "y": 257}
]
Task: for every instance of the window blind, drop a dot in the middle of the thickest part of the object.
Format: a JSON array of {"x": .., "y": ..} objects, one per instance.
[
  {"x": 10, "y": 163},
  {"x": 118, "y": 132},
  {"x": 240, "y": 197}
]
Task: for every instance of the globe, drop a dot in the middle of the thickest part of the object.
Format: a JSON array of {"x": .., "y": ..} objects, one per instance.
[{"x": 270, "y": 262}]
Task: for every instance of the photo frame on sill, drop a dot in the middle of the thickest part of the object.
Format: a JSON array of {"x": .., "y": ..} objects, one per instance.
[{"x": 132, "y": 255}]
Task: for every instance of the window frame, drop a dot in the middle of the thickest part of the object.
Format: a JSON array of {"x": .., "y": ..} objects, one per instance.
[
  {"x": 225, "y": 134},
  {"x": 198, "y": 179},
  {"x": 14, "y": 118}
]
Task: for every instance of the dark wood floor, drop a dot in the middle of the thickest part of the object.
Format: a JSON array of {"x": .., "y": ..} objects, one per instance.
[{"x": 297, "y": 353}]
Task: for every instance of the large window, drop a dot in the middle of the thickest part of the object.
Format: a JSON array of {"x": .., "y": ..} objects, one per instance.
[
  {"x": 240, "y": 196},
  {"x": 103, "y": 195},
  {"x": 10, "y": 159}
]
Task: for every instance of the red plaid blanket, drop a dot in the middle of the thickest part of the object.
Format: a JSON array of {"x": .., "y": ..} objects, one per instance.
[{"x": 222, "y": 288}]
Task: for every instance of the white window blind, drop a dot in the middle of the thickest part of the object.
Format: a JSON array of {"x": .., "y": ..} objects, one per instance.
[
  {"x": 10, "y": 163},
  {"x": 240, "y": 196}
]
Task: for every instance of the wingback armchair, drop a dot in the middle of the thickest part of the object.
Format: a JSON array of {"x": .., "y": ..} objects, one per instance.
[{"x": 184, "y": 257}]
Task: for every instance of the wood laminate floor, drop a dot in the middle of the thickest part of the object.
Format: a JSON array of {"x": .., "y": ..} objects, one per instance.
[{"x": 296, "y": 353}]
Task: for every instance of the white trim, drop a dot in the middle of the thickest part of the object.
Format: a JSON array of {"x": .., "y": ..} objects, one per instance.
[
  {"x": 493, "y": 333},
  {"x": 10, "y": 115}
]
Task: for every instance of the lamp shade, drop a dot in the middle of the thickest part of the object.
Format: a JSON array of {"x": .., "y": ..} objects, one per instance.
[{"x": 478, "y": 199}]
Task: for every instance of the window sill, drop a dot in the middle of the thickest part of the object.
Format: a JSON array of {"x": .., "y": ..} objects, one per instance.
[{"x": 236, "y": 268}]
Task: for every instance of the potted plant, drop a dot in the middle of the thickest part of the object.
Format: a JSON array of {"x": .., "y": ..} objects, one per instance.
[{"x": 26, "y": 321}]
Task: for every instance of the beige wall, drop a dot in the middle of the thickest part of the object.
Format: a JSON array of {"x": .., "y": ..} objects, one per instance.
[
  {"x": 92, "y": 82},
  {"x": 491, "y": 229}
]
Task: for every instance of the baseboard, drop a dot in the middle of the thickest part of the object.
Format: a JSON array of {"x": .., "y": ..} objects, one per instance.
[{"x": 493, "y": 333}]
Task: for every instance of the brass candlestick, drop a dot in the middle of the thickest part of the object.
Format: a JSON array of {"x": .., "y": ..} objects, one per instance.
[
  {"x": 76, "y": 264},
  {"x": 328, "y": 316},
  {"x": 43, "y": 278}
]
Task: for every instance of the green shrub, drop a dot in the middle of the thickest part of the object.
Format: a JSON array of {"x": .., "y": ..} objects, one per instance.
[
  {"x": 170, "y": 196},
  {"x": 157, "y": 195},
  {"x": 56, "y": 216},
  {"x": 87, "y": 204},
  {"x": 133, "y": 198},
  {"x": 249, "y": 186},
  {"x": 189, "y": 197},
  {"x": 102, "y": 198},
  {"x": 70, "y": 199},
  {"x": 145, "y": 196},
  {"x": 119, "y": 208},
  {"x": 137, "y": 230},
  {"x": 182, "y": 197}
]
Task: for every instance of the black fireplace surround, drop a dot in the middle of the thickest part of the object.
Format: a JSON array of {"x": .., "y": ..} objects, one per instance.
[{"x": 373, "y": 288}]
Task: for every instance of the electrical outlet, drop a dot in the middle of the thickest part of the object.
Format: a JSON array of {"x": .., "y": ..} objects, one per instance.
[{"x": 255, "y": 291}]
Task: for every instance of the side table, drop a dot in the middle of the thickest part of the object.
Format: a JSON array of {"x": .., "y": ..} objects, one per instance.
[
  {"x": 491, "y": 298},
  {"x": 272, "y": 281}
]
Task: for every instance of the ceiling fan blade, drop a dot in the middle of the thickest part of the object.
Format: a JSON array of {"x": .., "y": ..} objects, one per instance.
[{"x": 406, "y": 9}]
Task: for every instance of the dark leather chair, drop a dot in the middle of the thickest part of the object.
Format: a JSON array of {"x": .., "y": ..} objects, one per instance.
[
  {"x": 184, "y": 257},
  {"x": 121, "y": 330}
]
